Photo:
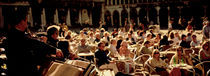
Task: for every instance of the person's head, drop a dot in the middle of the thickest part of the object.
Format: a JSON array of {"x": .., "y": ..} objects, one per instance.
[
  {"x": 156, "y": 53},
  {"x": 146, "y": 44},
  {"x": 184, "y": 37},
  {"x": 205, "y": 23},
  {"x": 102, "y": 30},
  {"x": 165, "y": 37},
  {"x": 124, "y": 44},
  {"x": 101, "y": 46},
  {"x": 176, "y": 34},
  {"x": 206, "y": 45},
  {"x": 98, "y": 36},
  {"x": 20, "y": 19},
  {"x": 189, "y": 34},
  {"x": 194, "y": 37},
  {"x": 158, "y": 36},
  {"x": 83, "y": 41},
  {"x": 106, "y": 34},
  {"x": 179, "y": 51},
  {"x": 113, "y": 42},
  {"x": 81, "y": 32},
  {"x": 129, "y": 35},
  {"x": 149, "y": 36},
  {"x": 52, "y": 33},
  {"x": 141, "y": 33},
  {"x": 91, "y": 34},
  {"x": 171, "y": 35}
]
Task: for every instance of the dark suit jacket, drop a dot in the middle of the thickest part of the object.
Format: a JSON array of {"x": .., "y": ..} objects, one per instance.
[
  {"x": 24, "y": 54},
  {"x": 101, "y": 57}
]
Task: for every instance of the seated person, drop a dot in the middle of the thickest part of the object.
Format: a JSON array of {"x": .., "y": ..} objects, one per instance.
[
  {"x": 184, "y": 43},
  {"x": 189, "y": 38},
  {"x": 113, "y": 48},
  {"x": 194, "y": 41},
  {"x": 204, "y": 53},
  {"x": 189, "y": 27},
  {"x": 164, "y": 41},
  {"x": 52, "y": 36},
  {"x": 106, "y": 38},
  {"x": 171, "y": 38},
  {"x": 149, "y": 38},
  {"x": 98, "y": 38},
  {"x": 124, "y": 51},
  {"x": 91, "y": 37},
  {"x": 157, "y": 38},
  {"x": 145, "y": 48},
  {"x": 83, "y": 47},
  {"x": 180, "y": 58},
  {"x": 158, "y": 64},
  {"x": 102, "y": 60},
  {"x": 176, "y": 38},
  {"x": 130, "y": 38}
]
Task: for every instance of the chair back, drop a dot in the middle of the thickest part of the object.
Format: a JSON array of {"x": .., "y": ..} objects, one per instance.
[{"x": 203, "y": 66}]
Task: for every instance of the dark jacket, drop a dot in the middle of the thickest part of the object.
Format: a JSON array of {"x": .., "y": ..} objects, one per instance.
[
  {"x": 184, "y": 44},
  {"x": 24, "y": 54},
  {"x": 101, "y": 57}
]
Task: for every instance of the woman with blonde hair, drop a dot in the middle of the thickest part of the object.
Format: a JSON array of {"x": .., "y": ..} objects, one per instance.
[
  {"x": 124, "y": 51},
  {"x": 158, "y": 64}
]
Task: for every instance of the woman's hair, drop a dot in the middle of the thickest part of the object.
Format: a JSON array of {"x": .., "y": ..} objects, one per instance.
[
  {"x": 179, "y": 48},
  {"x": 112, "y": 40},
  {"x": 123, "y": 42},
  {"x": 154, "y": 51},
  {"x": 183, "y": 36},
  {"x": 146, "y": 42},
  {"x": 171, "y": 35}
]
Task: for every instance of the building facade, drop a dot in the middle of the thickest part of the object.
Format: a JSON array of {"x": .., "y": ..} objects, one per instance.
[{"x": 88, "y": 13}]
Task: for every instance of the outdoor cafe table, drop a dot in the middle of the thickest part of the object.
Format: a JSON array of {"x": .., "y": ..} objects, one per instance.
[{"x": 125, "y": 65}]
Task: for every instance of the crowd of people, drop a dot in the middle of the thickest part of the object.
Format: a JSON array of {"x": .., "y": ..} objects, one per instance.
[{"x": 27, "y": 51}]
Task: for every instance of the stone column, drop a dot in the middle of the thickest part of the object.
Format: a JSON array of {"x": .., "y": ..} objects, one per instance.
[
  {"x": 138, "y": 9},
  {"x": 111, "y": 2},
  {"x": 147, "y": 10},
  {"x": 80, "y": 16},
  {"x": 68, "y": 18},
  {"x": 112, "y": 19},
  {"x": 43, "y": 19},
  {"x": 1, "y": 18},
  {"x": 120, "y": 21},
  {"x": 158, "y": 14},
  {"x": 128, "y": 14},
  {"x": 56, "y": 20},
  {"x": 29, "y": 16},
  {"x": 102, "y": 12},
  {"x": 168, "y": 13},
  {"x": 90, "y": 20}
]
